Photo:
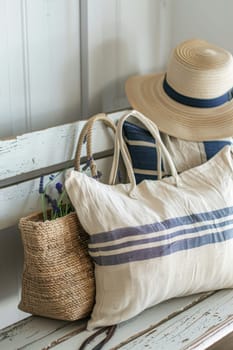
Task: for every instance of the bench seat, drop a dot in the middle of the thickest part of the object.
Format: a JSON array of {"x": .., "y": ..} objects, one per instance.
[{"x": 193, "y": 322}]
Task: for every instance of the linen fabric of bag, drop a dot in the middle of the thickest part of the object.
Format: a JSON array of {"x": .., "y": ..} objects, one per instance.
[
  {"x": 159, "y": 239},
  {"x": 185, "y": 154}
]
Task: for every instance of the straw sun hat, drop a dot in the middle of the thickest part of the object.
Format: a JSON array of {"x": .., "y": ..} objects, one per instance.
[{"x": 193, "y": 99}]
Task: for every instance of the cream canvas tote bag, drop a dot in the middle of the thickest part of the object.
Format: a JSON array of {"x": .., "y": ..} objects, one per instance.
[{"x": 159, "y": 239}]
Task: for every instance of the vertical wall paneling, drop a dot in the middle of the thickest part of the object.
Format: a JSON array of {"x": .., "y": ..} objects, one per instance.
[
  {"x": 26, "y": 66},
  {"x": 84, "y": 57},
  {"x": 124, "y": 38},
  {"x": 39, "y": 64},
  {"x": 165, "y": 20},
  {"x": 4, "y": 86},
  {"x": 54, "y": 62},
  {"x": 12, "y": 110}
]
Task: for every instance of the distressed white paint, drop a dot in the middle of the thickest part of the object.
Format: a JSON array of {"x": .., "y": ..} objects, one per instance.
[
  {"x": 29, "y": 330},
  {"x": 37, "y": 150},
  {"x": 193, "y": 322},
  {"x": 142, "y": 324},
  {"x": 36, "y": 333},
  {"x": 196, "y": 328},
  {"x": 47, "y": 147}
]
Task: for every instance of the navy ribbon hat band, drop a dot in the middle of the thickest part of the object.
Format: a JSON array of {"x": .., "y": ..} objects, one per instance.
[{"x": 196, "y": 102}]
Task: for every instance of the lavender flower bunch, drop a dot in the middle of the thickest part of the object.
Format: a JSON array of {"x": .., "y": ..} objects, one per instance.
[{"x": 59, "y": 203}]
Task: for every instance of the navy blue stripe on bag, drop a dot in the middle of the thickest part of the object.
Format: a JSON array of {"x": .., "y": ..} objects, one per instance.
[
  {"x": 141, "y": 146},
  {"x": 213, "y": 147},
  {"x": 163, "y": 226},
  {"x": 162, "y": 238},
  {"x": 163, "y": 250}
]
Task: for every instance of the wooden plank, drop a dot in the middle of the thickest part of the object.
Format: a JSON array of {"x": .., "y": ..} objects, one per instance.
[
  {"x": 134, "y": 327},
  {"x": 15, "y": 180},
  {"x": 48, "y": 147},
  {"x": 196, "y": 328},
  {"x": 36, "y": 333},
  {"x": 27, "y": 331},
  {"x": 193, "y": 322},
  {"x": 40, "y": 150}
]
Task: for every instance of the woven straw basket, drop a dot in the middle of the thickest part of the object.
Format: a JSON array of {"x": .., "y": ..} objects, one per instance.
[{"x": 58, "y": 278}]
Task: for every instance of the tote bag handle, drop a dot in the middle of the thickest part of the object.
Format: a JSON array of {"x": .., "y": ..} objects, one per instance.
[
  {"x": 120, "y": 147},
  {"x": 86, "y": 133}
]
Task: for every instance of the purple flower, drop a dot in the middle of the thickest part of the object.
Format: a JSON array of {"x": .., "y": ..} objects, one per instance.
[
  {"x": 41, "y": 185},
  {"x": 55, "y": 205},
  {"x": 56, "y": 209},
  {"x": 59, "y": 187}
]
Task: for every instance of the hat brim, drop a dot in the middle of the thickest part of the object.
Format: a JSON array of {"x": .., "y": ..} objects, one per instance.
[{"x": 146, "y": 94}]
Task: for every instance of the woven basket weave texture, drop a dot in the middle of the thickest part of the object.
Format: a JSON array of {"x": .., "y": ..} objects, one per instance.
[{"x": 58, "y": 277}]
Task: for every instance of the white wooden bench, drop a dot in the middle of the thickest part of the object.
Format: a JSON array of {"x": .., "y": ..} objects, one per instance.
[{"x": 193, "y": 322}]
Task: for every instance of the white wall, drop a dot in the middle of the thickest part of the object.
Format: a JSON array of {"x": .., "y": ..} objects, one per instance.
[
  {"x": 205, "y": 19},
  {"x": 63, "y": 60},
  {"x": 125, "y": 37},
  {"x": 39, "y": 64}
]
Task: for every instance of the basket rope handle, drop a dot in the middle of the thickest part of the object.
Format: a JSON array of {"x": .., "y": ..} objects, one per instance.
[{"x": 86, "y": 133}]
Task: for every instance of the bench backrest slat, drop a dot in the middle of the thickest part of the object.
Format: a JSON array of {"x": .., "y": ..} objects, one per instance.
[{"x": 31, "y": 155}]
